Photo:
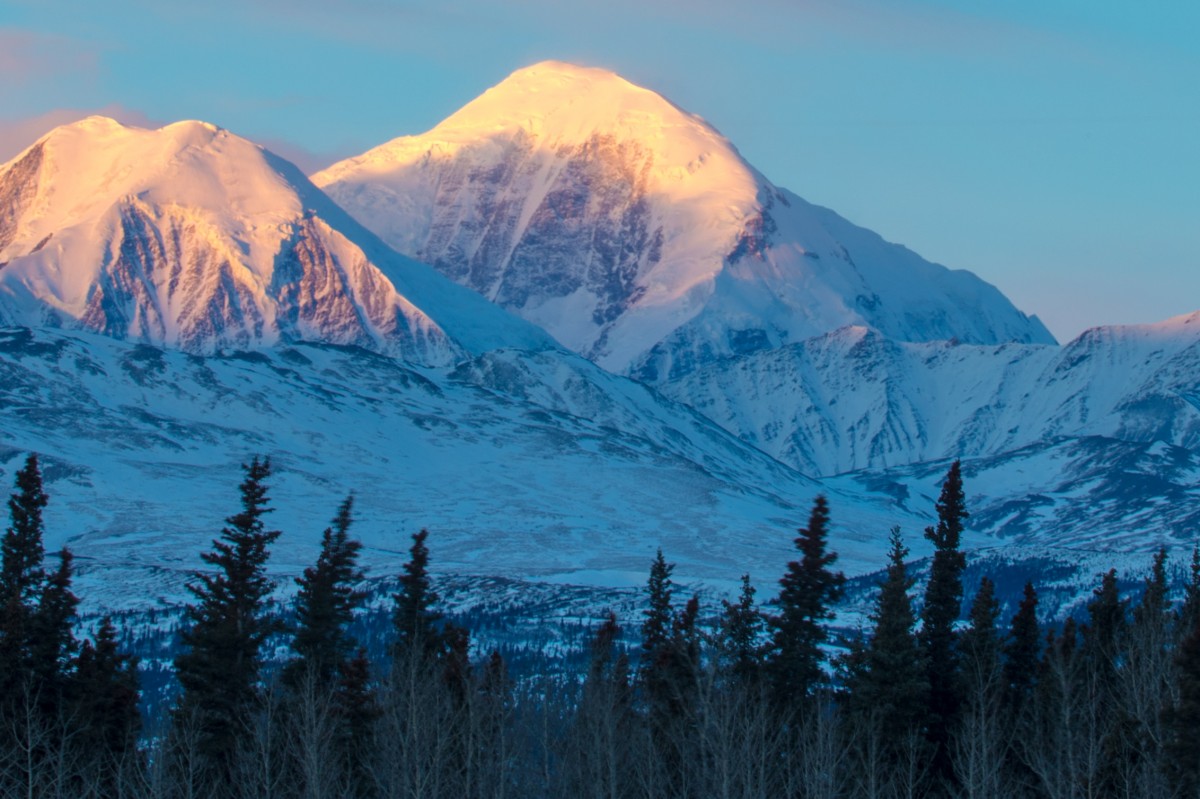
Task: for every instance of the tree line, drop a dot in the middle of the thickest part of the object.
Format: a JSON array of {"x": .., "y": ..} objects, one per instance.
[{"x": 747, "y": 702}]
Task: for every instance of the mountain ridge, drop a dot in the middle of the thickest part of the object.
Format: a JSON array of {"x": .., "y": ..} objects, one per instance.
[{"x": 193, "y": 237}]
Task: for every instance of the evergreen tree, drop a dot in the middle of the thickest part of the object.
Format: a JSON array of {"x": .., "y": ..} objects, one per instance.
[
  {"x": 1021, "y": 657},
  {"x": 1182, "y": 719},
  {"x": 21, "y": 552},
  {"x": 52, "y": 644},
  {"x": 684, "y": 664},
  {"x": 1103, "y": 639},
  {"x": 325, "y": 605},
  {"x": 1021, "y": 651},
  {"x": 600, "y": 741},
  {"x": 108, "y": 718},
  {"x": 1106, "y": 624},
  {"x": 656, "y": 635},
  {"x": 21, "y": 577},
  {"x": 1155, "y": 606},
  {"x": 414, "y": 618},
  {"x": 1146, "y": 679},
  {"x": 228, "y": 624},
  {"x": 943, "y": 603},
  {"x": 1189, "y": 611},
  {"x": 609, "y": 666},
  {"x": 980, "y": 642},
  {"x": 358, "y": 710},
  {"x": 887, "y": 679},
  {"x": 456, "y": 666},
  {"x": 739, "y": 635},
  {"x": 807, "y": 591}
]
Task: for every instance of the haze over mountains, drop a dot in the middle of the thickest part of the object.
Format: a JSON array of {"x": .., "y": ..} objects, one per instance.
[{"x": 781, "y": 352}]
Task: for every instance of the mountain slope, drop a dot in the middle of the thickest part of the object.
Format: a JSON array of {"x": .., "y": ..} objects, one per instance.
[
  {"x": 192, "y": 237},
  {"x": 854, "y": 400},
  {"x": 638, "y": 236},
  {"x": 527, "y": 465}
]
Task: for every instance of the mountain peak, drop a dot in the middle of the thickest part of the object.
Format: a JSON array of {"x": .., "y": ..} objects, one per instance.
[
  {"x": 193, "y": 237},
  {"x": 637, "y": 235},
  {"x": 564, "y": 101},
  {"x": 95, "y": 122}
]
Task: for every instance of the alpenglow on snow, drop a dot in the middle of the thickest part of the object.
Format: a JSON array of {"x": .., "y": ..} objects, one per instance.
[{"x": 638, "y": 236}]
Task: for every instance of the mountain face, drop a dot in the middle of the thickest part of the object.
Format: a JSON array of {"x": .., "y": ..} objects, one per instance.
[
  {"x": 853, "y": 399},
  {"x": 191, "y": 237},
  {"x": 639, "y": 237},
  {"x": 532, "y": 465}
]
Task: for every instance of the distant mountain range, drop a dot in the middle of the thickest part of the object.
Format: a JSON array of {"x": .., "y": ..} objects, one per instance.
[{"x": 628, "y": 338}]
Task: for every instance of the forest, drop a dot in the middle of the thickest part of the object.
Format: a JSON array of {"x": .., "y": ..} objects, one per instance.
[{"x": 940, "y": 696}]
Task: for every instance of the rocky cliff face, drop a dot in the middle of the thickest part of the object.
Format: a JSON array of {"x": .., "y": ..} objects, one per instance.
[{"x": 855, "y": 400}]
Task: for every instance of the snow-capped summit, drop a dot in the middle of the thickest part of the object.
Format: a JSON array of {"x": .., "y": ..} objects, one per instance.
[
  {"x": 191, "y": 236},
  {"x": 637, "y": 234}
]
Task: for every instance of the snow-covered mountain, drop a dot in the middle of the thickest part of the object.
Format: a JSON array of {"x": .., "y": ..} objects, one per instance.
[
  {"x": 534, "y": 465},
  {"x": 784, "y": 352},
  {"x": 193, "y": 237},
  {"x": 853, "y": 399},
  {"x": 638, "y": 236}
]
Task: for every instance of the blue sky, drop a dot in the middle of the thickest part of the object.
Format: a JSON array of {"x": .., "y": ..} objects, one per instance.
[{"x": 1051, "y": 147}]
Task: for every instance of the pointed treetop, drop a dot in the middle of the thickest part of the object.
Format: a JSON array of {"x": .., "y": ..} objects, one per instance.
[
  {"x": 414, "y": 617},
  {"x": 21, "y": 550},
  {"x": 1024, "y": 645},
  {"x": 807, "y": 593},
  {"x": 656, "y": 629}
]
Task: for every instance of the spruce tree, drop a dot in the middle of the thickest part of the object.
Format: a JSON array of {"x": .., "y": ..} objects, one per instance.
[
  {"x": 980, "y": 642},
  {"x": 1107, "y": 620},
  {"x": 358, "y": 710},
  {"x": 21, "y": 551},
  {"x": 107, "y": 706},
  {"x": 656, "y": 634},
  {"x": 21, "y": 577},
  {"x": 52, "y": 644},
  {"x": 684, "y": 664},
  {"x": 1103, "y": 641},
  {"x": 608, "y": 665},
  {"x": 1146, "y": 680},
  {"x": 739, "y": 636},
  {"x": 807, "y": 591},
  {"x": 887, "y": 678},
  {"x": 1189, "y": 611},
  {"x": 228, "y": 624},
  {"x": 1182, "y": 718},
  {"x": 943, "y": 604},
  {"x": 1155, "y": 606},
  {"x": 325, "y": 606},
  {"x": 414, "y": 618},
  {"x": 1022, "y": 650}
]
